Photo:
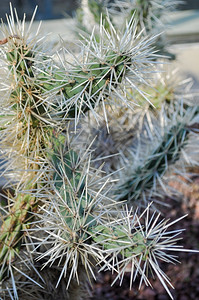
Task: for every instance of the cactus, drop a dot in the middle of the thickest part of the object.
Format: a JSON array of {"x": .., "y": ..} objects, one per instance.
[
  {"x": 90, "y": 13},
  {"x": 148, "y": 13},
  {"x": 151, "y": 17},
  {"x": 142, "y": 180},
  {"x": 58, "y": 214}
]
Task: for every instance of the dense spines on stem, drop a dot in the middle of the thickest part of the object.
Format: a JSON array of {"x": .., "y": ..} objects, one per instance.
[
  {"x": 150, "y": 14},
  {"x": 106, "y": 68},
  {"x": 72, "y": 210},
  {"x": 142, "y": 241},
  {"x": 24, "y": 115},
  {"x": 146, "y": 180}
]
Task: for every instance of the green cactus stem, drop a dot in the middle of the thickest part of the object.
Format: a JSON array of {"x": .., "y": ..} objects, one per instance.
[
  {"x": 26, "y": 136},
  {"x": 67, "y": 180},
  {"x": 155, "y": 166},
  {"x": 117, "y": 237},
  {"x": 90, "y": 14},
  {"x": 88, "y": 82},
  {"x": 74, "y": 211},
  {"x": 13, "y": 227}
]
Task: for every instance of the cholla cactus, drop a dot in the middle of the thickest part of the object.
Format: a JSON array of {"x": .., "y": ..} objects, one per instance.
[
  {"x": 146, "y": 174},
  {"x": 90, "y": 13},
  {"x": 58, "y": 215},
  {"x": 151, "y": 16},
  {"x": 142, "y": 242},
  {"x": 128, "y": 129}
]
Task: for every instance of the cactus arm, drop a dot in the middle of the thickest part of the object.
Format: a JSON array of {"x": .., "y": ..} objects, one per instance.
[
  {"x": 140, "y": 242},
  {"x": 90, "y": 14},
  {"x": 166, "y": 154},
  {"x": 20, "y": 134},
  {"x": 13, "y": 227},
  {"x": 87, "y": 85},
  {"x": 172, "y": 150}
]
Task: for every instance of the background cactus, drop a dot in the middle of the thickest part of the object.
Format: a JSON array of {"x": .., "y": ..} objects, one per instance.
[
  {"x": 165, "y": 154},
  {"x": 59, "y": 213}
]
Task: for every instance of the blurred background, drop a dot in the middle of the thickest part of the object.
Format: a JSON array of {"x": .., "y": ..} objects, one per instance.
[
  {"x": 53, "y": 9},
  {"x": 47, "y": 9}
]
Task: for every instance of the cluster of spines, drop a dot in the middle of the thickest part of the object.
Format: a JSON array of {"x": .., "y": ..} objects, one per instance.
[
  {"x": 145, "y": 181},
  {"x": 107, "y": 67},
  {"x": 31, "y": 123},
  {"x": 82, "y": 229},
  {"x": 149, "y": 14},
  {"x": 150, "y": 17}
]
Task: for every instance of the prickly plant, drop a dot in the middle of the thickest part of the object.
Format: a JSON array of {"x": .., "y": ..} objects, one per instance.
[
  {"x": 90, "y": 13},
  {"x": 57, "y": 215},
  {"x": 149, "y": 14},
  {"x": 151, "y": 17},
  {"x": 146, "y": 175}
]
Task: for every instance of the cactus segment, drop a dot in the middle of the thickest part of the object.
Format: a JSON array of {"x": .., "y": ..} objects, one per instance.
[
  {"x": 90, "y": 14},
  {"x": 141, "y": 241},
  {"x": 73, "y": 211},
  {"x": 24, "y": 137},
  {"x": 156, "y": 165},
  {"x": 28, "y": 110},
  {"x": 89, "y": 85},
  {"x": 13, "y": 228},
  {"x": 106, "y": 68}
]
